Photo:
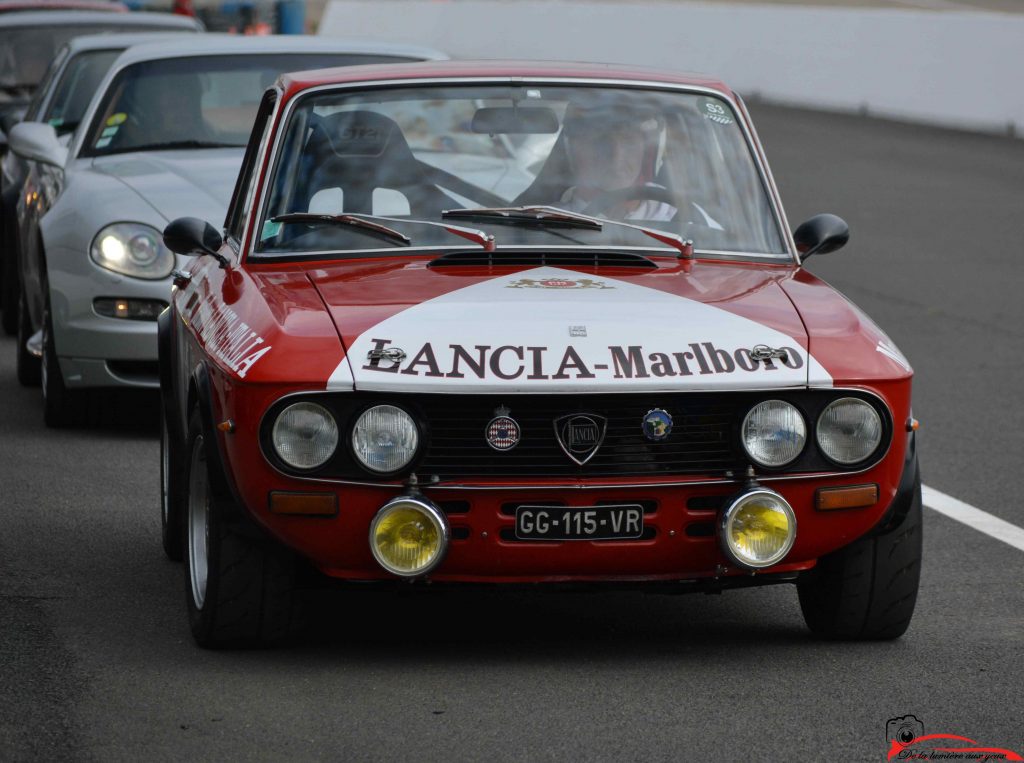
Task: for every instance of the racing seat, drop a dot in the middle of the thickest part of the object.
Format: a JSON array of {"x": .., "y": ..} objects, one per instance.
[
  {"x": 553, "y": 180},
  {"x": 361, "y": 158}
]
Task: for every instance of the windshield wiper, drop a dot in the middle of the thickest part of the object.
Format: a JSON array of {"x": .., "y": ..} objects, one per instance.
[
  {"x": 380, "y": 231},
  {"x": 173, "y": 145},
  {"x": 537, "y": 215},
  {"x": 366, "y": 223},
  {"x": 543, "y": 215}
]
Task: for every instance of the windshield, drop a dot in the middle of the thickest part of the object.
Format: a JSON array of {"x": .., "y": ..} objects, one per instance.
[
  {"x": 26, "y": 52},
  {"x": 672, "y": 160},
  {"x": 76, "y": 88},
  {"x": 195, "y": 102}
]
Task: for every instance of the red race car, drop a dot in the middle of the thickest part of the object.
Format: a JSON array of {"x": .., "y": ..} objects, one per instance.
[{"x": 518, "y": 323}]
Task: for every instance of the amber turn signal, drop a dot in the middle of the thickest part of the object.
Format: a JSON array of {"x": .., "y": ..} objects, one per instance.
[
  {"x": 304, "y": 504},
  {"x": 855, "y": 497}
]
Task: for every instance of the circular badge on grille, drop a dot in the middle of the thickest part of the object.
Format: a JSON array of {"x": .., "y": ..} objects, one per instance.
[
  {"x": 657, "y": 425},
  {"x": 502, "y": 433}
]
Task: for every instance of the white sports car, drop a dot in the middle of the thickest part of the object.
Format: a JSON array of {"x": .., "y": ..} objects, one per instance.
[{"x": 167, "y": 126}]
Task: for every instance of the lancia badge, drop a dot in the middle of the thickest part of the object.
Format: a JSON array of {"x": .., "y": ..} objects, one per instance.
[
  {"x": 657, "y": 425},
  {"x": 580, "y": 435},
  {"x": 502, "y": 432}
]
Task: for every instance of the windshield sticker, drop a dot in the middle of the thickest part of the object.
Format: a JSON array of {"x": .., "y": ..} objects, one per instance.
[
  {"x": 117, "y": 119},
  {"x": 109, "y": 132},
  {"x": 270, "y": 229},
  {"x": 714, "y": 110},
  {"x": 103, "y": 142},
  {"x": 558, "y": 283}
]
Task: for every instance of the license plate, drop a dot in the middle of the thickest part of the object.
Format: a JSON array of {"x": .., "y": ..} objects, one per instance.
[{"x": 574, "y": 523}]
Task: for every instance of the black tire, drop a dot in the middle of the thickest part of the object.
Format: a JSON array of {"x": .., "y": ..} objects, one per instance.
[
  {"x": 248, "y": 595},
  {"x": 867, "y": 590},
  {"x": 9, "y": 286},
  {"x": 60, "y": 405},
  {"x": 10, "y": 294},
  {"x": 172, "y": 481},
  {"x": 28, "y": 365}
]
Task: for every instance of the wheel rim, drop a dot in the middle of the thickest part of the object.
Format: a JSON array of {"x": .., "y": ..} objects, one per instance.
[
  {"x": 165, "y": 462},
  {"x": 198, "y": 523}
]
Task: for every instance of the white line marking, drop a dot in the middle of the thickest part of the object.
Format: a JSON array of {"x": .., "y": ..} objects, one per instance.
[{"x": 980, "y": 520}]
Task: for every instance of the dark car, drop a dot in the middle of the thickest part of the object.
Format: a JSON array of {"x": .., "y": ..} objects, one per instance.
[{"x": 29, "y": 41}]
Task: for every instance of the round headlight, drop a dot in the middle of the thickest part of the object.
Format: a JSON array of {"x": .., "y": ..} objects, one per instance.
[
  {"x": 758, "y": 529},
  {"x": 305, "y": 435},
  {"x": 774, "y": 433},
  {"x": 385, "y": 439},
  {"x": 132, "y": 249},
  {"x": 409, "y": 536},
  {"x": 849, "y": 430}
]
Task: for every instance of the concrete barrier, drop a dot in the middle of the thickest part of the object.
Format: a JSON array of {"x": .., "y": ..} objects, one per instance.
[{"x": 958, "y": 69}]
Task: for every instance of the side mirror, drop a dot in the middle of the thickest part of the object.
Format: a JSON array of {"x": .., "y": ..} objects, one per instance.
[
  {"x": 37, "y": 141},
  {"x": 193, "y": 237},
  {"x": 820, "y": 235}
]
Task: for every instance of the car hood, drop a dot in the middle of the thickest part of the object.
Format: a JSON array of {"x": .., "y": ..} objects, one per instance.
[
  {"x": 551, "y": 329},
  {"x": 178, "y": 183}
]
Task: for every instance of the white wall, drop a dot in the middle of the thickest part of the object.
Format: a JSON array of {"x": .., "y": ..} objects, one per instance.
[{"x": 949, "y": 68}]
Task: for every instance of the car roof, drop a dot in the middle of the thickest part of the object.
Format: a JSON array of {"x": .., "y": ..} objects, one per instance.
[
  {"x": 226, "y": 44},
  {"x": 122, "y": 40},
  {"x": 107, "y": 6},
  {"x": 295, "y": 82},
  {"x": 83, "y": 18}
]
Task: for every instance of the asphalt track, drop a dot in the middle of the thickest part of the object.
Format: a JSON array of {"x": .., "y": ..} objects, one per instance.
[{"x": 96, "y": 662}]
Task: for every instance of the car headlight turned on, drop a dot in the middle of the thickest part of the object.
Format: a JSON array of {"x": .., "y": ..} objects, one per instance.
[
  {"x": 774, "y": 433},
  {"x": 132, "y": 249},
  {"x": 409, "y": 536},
  {"x": 757, "y": 529},
  {"x": 849, "y": 430},
  {"x": 305, "y": 435},
  {"x": 385, "y": 439}
]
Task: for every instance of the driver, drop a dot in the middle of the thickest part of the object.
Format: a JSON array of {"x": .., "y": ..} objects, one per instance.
[
  {"x": 166, "y": 111},
  {"x": 612, "y": 153}
]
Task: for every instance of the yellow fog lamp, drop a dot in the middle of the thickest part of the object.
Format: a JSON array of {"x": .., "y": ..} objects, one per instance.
[
  {"x": 409, "y": 536},
  {"x": 757, "y": 529}
]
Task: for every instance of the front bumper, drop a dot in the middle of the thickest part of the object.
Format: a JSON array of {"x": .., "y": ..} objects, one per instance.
[
  {"x": 99, "y": 351},
  {"x": 681, "y": 517},
  {"x": 680, "y": 542}
]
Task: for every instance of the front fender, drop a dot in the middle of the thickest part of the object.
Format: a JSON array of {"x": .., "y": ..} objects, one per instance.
[
  {"x": 222, "y": 481},
  {"x": 907, "y": 493}
]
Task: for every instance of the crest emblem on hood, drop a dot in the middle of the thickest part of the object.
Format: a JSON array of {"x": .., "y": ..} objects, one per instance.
[
  {"x": 580, "y": 435},
  {"x": 558, "y": 283}
]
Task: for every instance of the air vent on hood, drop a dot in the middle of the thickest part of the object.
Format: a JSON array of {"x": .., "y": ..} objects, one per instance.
[{"x": 554, "y": 259}]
